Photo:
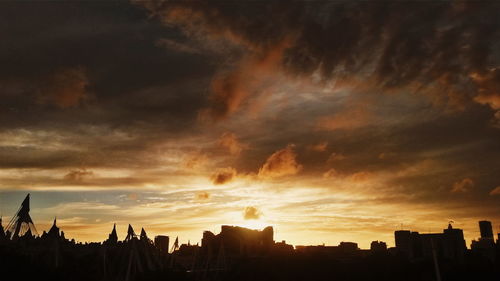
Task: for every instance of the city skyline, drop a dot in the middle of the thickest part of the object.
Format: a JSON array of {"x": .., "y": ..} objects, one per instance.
[
  {"x": 123, "y": 230},
  {"x": 329, "y": 120}
]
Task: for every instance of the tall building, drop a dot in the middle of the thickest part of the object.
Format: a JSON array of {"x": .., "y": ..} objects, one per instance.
[
  {"x": 485, "y": 245},
  {"x": 486, "y": 230},
  {"x": 404, "y": 242},
  {"x": 454, "y": 243},
  {"x": 161, "y": 243}
]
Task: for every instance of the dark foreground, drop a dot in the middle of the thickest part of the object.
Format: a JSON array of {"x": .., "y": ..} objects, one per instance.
[{"x": 126, "y": 261}]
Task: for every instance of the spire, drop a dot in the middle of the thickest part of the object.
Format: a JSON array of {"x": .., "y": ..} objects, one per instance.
[
  {"x": 113, "y": 237},
  {"x": 54, "y": 230}
]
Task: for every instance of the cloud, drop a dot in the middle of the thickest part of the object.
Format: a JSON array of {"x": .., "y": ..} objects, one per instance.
[
  {"x": 251, "y": 213},
  {"x": 464, "y": 185},
  {"x": 132, "y": 196},
  {"x": 194, "y": 160},
  {"x": 231, "y": 142},
  {"x": 177, "y": 46},
  {"x": 335, "y": 157},
  {"x": 319, "y": 147},
  {"x": 281, "y": 163},
  {"x": 330, "y": 173},
  {"x": 362, "y": 176},
  {"x": 78, "y": 175},
  {"x": 202, "y": 196},
  {"x": 347, "y": 120},
  {"x": 223, "y": 175},
  {"x": 495, "y": 191},
  {"x": 335, "y": 40},
  {"x": 488, "y": 84},
  {"x": 251, "y": 77},
  {"x": 65, "y": 88}
]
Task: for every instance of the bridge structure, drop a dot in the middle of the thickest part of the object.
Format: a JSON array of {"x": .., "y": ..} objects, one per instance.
[{"x": 21, "y": 223}]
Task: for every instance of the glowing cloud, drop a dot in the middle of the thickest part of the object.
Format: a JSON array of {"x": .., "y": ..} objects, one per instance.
[
  {"x": 251, "y": 213},
  {"x": 223, "y": 175},
  {"x": 495, "y": 191},
  {"x": 281, "y": 163},
  {"x": 462, "y": 186},
  {"x": 230, "y": 141}
]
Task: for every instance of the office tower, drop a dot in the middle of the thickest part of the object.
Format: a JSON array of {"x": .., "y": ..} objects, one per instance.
[
  {"x": 486, "y": 229},
  {"x": 403, "y": 242},
  {"x": 161, "y": 243}
]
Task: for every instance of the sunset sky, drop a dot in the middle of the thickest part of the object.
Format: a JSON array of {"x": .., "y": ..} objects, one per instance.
[{"x": 331, "y": 121}]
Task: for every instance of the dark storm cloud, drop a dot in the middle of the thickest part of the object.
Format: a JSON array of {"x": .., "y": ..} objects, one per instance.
[
  {"x": 105, "y": 61},
  {"x": 431, "y": 47},
  {"x": 94, "y": 76}
]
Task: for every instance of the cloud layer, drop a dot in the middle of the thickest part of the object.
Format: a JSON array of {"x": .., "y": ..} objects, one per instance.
[{"x": 186, "y": 112}]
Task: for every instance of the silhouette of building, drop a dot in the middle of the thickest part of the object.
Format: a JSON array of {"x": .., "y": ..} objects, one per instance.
[
  {"x": 348, "y": 247},
  {"x": 238, "y": 241},
  {"x": 454, "y": 243},
  {"x": 486, "y": 230},
  {"x": 485, "y": 245},
  {"x": 113, "y": 237},
  {"x": 282, "y": 248},
  {"x": 378, "y": 247},
  {"x": 450, "y": 244},
  {"x": 161, "y": 243},
  {"x": 404, "y": 242}
]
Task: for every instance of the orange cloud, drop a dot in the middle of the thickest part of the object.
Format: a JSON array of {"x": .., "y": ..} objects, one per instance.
[
  {"x": 65, "y": 88},
  {"x": 344, "y": 120},
  {"x": 361, "y": 176},
  {"x": 492, "y": 100},
  {"x": 462, "y": 186},
  {"x": 495, "y": 191},
  {"x": 281, "y": 163},
  {"x": 223, "y": 175},
  {"x": 330, "y": 173},
  {"x": 230, "y": 141},
  {"x": 251, "y": 213},
  {"x": 78, "y": 175},
  {"x": 202, "y": 196},
  {"x": 252, "y": 76},
  {"x": 194, "y": 160},
  {"x": 335, "y": 157},
  {"x": 319, "y": 147}
]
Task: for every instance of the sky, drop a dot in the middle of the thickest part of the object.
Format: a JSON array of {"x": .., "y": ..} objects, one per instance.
[{"x": 330, "y": 121}]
